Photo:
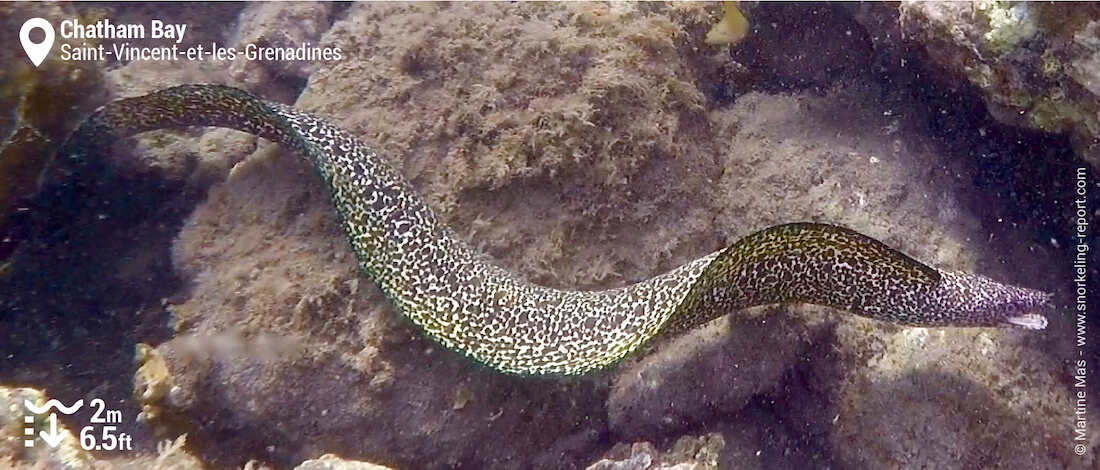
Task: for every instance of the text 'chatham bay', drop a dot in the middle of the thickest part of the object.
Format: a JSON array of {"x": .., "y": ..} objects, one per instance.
[{"x": 105, "y": 29}]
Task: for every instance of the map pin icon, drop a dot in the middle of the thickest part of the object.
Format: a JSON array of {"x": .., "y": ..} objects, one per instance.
[{"x": 37, "y": 52}]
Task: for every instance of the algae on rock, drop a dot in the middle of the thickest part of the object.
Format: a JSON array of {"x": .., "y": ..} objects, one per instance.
[{"x": 1035, "y": 63}]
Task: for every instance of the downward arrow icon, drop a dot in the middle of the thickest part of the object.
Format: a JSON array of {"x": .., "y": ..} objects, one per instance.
[{"x": 53, "y": 438}]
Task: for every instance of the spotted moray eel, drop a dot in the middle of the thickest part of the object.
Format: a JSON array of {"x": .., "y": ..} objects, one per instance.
[{"x": 482, "y": 311}]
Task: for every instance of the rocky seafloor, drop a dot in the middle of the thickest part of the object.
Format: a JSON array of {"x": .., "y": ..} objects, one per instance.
[{"x": 583, "y": 146}]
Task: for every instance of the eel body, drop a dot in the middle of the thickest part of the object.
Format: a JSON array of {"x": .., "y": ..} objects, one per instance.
[{"x": 480, "y": 310}]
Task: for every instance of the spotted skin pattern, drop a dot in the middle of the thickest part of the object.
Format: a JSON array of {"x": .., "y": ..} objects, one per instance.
[{"x": 476, "y": 308}]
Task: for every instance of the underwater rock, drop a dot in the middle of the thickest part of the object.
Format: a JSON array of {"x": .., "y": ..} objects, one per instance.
[
  {"x": 689, "y": 453},
  {"x": 795, "y": 46},
  {"x": 284, "y": 25},
  {"x": 713, "y": 370},
  {"x": 1037, "y": 64},
  {"x": 950, "y": 399},
  {"x": 332, "y": 462},
  {"x": 237, "y": 403},
  {"x": 34, "y": 121},
  {"x": 208, "y": 373}
]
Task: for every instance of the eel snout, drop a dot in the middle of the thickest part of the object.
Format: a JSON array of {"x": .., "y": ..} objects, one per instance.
[{"x": 975, "y": 300}]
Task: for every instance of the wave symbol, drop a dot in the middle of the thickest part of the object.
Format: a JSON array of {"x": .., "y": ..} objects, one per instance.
[{"x": 54, "y": 403}]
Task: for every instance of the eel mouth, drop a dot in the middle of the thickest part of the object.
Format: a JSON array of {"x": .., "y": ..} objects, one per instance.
[
  {"x": 1029, "y": 317},
  {"x": 1027, "y": 308},
  {"x": 1028, "y": 321}
]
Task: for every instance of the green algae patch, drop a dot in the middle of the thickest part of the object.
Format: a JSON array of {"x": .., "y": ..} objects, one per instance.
[
  {"x": 1009, "y": 24},
  {"x": 731, "y": 28}
]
